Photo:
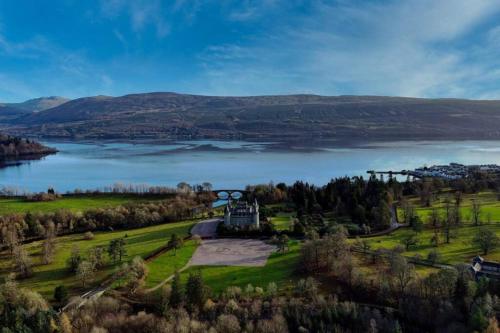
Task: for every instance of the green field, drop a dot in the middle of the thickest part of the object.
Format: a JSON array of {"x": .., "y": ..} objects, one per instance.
[
  {"x": 280, "y": 268},
  {"x": 490, "y": 206},
  {"x": 73, "y": 203},
  {"x": 282, "y": 221},
  {"x": 166, "y": 264},
  {"x": 139, "y": 242},
  {"x": 460, "y": 249}
]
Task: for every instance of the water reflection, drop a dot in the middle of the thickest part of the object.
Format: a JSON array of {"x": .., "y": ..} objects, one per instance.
[{"x": 229, "y": 164}]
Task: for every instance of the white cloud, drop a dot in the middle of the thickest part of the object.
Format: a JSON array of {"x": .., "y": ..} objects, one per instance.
[
  {"x": 400, "y": 48},
  {"x": 141, "y": 12},
  {"x": 247, "y": 10}
]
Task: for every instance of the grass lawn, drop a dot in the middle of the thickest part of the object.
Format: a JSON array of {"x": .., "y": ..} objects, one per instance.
[
  {"x": 282, "y": 221},
  {"x": 280, "y": 268},
  {"x": 490, "y": 206},
  {"x": 166, "y": 264},
  {"x": 73, "y": 203},
  {"x": 139, "y": 242},
  {"x": 460, "y": 249}
]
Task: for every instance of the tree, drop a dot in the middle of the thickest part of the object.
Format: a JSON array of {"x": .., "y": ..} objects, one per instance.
[
  {"x": 476, "y": 212},
  {"x": 23, "y": 310},
  {"x": 12, "y": 233},
  {"x": 435, "y": 238},
  {"x": 75, "y": 258},
  {"x": 176, "y": 296},
  {"x": 116, "y": 249},
  {"x": 61, "y": 294},
  {"x": 382, "y": 214},
  {"x": 174, "y": 243},
  {"x": 22, "y": 262},
  {"x": 85, "y": 272},
  {"x": 228, "y": 323},
  {"x": 283, "y": 243},
  {"x": 137, "y": 274},
  {"x": 485, "y": 239},
  {"x": 402, "y": 272},
  {"x": 96, "y": 256},
  {"x": 122, "y": 251},
  {"x": 434, "y": 218},
  {"x": 409, "y": 240},
  {"x": 48, "y": 245},
  {"x": 65, "y": 324},
  {"x": 416, "y": 223},
  {"x": 196, "y": 291},
  {"x": 448, "y": 224},
  {"x": 433, "y": 256}
]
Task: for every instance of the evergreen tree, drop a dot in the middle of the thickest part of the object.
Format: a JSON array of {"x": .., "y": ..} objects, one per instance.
[
  {"x": 174, "y": 243},
  {"x": 195, "y": 291},
  {"x": 176, "y": 296}
]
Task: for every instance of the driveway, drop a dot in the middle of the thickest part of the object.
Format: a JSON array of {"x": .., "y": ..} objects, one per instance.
[
  {"x": 232, "y": 252},
  {"x": 206, "y": 228}
]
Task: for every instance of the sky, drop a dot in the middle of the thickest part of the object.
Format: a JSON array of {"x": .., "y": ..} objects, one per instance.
[{"x": 418, "y": 48}]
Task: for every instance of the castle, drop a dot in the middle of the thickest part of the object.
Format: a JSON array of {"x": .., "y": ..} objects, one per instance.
[{"x": 241, "y": 214}]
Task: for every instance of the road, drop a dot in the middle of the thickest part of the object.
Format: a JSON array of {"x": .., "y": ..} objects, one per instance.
[{"x": 206, "y": 228}]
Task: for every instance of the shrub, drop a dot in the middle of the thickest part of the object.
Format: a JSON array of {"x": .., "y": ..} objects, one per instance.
[
  {"x": 196, "y": 239},
  {"x": 61, "y": 294},
  {"x": 88, "y": 235},
  {"x": 433, "y": 256}
]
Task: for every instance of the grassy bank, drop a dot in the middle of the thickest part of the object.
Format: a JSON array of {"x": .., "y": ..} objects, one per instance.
[
  {"x": 490, "y": 206},
  {"x": 139, "y": 242},
  {"x": 73, "y": 203},
  {"x": 460, "y": 249},
  {"x": 166, "y": 264}
]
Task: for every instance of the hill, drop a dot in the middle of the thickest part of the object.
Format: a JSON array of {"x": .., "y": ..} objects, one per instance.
[
  {"x": 11, "y": 111},
  {"x": 171, "y": 115},
  {"x": 40, "y": 104}
]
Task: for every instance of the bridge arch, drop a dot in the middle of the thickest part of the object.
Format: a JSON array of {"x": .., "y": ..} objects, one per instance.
[{"x": 226, "y": 194}]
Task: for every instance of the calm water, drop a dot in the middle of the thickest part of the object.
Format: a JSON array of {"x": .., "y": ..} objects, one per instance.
[{"x": 231, "y": 164}]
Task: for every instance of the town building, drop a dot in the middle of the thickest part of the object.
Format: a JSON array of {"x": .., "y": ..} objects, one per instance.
[
  {"x": 241, "y": 213},
  {"x": 489, "y": 269}
]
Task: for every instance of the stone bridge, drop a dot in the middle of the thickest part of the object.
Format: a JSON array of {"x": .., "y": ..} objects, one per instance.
[{"x": 224, "y": 194}]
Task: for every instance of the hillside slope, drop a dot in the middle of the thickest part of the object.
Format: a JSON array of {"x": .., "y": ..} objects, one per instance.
[
  {"x": 170, "y": 115},
  {"x": 39, "y": 104}
]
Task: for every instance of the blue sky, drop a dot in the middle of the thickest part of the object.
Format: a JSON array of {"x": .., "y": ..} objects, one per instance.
[{"x": 422, "y": 48}]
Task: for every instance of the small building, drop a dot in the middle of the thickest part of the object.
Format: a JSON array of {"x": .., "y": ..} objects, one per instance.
[
  {"x": 241, "y": 213},
  {"x": 489, "y": 269}
]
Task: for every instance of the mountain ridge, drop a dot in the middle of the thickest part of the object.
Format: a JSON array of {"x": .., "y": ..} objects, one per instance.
[{"x": 173, "y": 115}]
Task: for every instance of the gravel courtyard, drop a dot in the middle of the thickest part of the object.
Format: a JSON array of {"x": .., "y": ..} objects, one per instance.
[{"x": 232, "y": 252}]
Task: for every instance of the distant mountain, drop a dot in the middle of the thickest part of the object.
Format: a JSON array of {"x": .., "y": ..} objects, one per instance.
[
  {"x": 288, "y": 117},
  {"x": 39, "y": 104}
]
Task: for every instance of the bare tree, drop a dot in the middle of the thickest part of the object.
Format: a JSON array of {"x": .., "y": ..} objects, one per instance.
[
  {"x": 85, "y": 272},
  {"x": 434, "y": 218},
  {"x": 12, "y": 233},
  {"x": 476, "y": 212},
  {"x": 402, "y": 272},
  {"x": 22, "y": 262},
  {"x": 48, "y": 245}
]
